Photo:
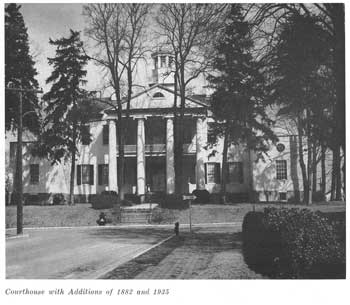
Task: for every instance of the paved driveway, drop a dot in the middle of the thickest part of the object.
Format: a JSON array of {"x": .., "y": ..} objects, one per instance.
[{"x": 79, "y": 253}]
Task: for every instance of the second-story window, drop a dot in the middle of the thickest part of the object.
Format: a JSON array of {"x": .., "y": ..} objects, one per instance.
[
  {"x": 281, "y": 169},
  {"x": 163, "y": 61},
  {"x": 34, "y": 173},
  {"x": 85, "y": 135}
]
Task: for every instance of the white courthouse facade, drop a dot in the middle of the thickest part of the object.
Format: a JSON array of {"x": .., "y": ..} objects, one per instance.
[{"x": 149, "y": 153}]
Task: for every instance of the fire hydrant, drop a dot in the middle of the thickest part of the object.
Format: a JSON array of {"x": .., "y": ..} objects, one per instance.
[
  {"x": 176, "y": 229},
  {"x": 101, "y": 221}
]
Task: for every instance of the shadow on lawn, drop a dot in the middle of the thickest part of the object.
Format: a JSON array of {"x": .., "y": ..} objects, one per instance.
[{"x": 131, "y": 233}]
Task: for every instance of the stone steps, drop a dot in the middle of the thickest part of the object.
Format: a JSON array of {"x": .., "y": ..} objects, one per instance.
[{"x": 135, "y": 216}]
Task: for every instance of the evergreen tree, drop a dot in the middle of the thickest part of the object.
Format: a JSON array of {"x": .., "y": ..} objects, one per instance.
[
  {"x": 66, "y": 113},
  {"x": 19, "y": 70},
  {"x": 238, "y": 101}
]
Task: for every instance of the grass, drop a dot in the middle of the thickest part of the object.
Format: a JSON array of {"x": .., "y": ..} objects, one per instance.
[{"x": 84, "y": 215}]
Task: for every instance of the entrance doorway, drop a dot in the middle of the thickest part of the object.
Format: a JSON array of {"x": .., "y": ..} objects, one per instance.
[{"x": 155, "y": 174}]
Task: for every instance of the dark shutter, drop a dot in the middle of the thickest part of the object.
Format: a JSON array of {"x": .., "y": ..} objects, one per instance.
[
  {"x": 105, "y": 134},
  {"x": 100, "y": 168},
  {"x": 91, "y": 172},
  {"x": 206, "y": 178},
  {"x": 78, "y": 174},
  {"x": 217, "y": 173}
]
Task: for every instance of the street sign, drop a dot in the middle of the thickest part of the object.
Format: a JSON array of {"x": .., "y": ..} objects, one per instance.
[{"x": 188, "y": 197}]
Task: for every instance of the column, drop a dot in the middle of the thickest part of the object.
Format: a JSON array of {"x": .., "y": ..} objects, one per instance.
[
  {"x": 201, "y": 140},
  {"x": 112, "y": 157},
  {"x": 140, "y": 157},
  {"x": 170, "y": 171}
]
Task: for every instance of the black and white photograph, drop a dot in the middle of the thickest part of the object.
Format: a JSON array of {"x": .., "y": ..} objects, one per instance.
[{"x": 173, "y": 141}]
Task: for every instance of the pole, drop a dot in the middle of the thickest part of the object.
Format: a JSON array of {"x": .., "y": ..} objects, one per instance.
[
  {"x": 19, "y": 168},
  {"x": 190, "y": 206},
  {"x": 19, "y": 157}
]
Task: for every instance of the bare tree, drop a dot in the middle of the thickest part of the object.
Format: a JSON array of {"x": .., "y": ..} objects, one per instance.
[
  {"x": 119, "y": 33},
  {"x": 189, "y": 31}
]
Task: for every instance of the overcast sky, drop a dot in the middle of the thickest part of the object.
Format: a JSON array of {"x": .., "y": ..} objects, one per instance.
[{"x": 54, "y": 21}]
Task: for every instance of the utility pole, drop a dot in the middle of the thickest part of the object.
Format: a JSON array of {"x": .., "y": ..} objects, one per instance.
[{"x": 19, "y": 159}]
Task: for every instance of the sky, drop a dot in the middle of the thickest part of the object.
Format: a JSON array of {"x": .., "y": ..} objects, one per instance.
[{"x": 45, "y": 21}]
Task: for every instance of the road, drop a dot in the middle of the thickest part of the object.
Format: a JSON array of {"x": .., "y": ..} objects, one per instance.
[{"x": 79, "y": 253}]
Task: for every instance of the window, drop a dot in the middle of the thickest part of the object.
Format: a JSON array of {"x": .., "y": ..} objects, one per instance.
[
  {"x": 189, "y": 130},
  {"x": 34, "y": 173},
  {"x": 85, "y": 135},
  {"x": 281, "y": 169},
  {"x": 103, "y": 174},
  {"x": 162, "y": 61},
  {"x": 212, "y": 172},
  {"x": 105, "y": 135},
  {"x": 85, "y": 174},
  {"x": 235, "y": 172},
  {"x": 158, "y": 95},
  {"x": 155, "y": 63}
]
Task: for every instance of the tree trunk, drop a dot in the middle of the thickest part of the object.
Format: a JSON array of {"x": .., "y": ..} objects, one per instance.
[
  {"x": 334, "y": 177},
  {"x": 302, "y": 163},
  {"x": 323, "y": 170},
  {"x": 224, "y": 166},
  {"x": 314, "y": 167},
  {"x": 19, "y": 168},
  {"x": 338, "y": 182},
  {"x": 72, "y": 168}
]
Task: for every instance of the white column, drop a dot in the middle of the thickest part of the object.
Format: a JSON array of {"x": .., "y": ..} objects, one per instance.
[
  {"x": 112, "y": 158},
  {"x": 170, "y": 171},
  {"x": 140, "y": 157},
  {"x": 201, "y": 140}
]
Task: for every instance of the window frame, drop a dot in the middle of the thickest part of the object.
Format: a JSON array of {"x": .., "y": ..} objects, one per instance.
[
  {"x": 216, "y": 174},
  {"x": 82, "y": 169},
  {"x": 281, "y": 170}
]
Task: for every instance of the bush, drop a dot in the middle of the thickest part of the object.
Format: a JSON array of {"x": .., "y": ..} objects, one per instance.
[
  {"x": 203, "y": 196},
  {"x": 104, "y": 200},
  {"x": 292, "y": 243},
  {"x": 162, "y": 216},
  {"x": 58, "y": 199},
  {"x": 173, "y": 201}
]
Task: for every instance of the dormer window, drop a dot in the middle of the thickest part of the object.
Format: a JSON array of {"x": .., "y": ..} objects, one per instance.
[
  {"x": 163, "y": 61},
  {"x": 158, "y": 95}
]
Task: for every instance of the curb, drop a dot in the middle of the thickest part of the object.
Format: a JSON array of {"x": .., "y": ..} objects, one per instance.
[{"x": 214, "y": 224}]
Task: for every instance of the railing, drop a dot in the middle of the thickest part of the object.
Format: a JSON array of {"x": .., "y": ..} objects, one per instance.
[{"x": 158, "y": 148}]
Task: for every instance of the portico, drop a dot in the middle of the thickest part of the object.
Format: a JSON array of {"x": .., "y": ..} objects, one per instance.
[{"x": 155, "y": 153}]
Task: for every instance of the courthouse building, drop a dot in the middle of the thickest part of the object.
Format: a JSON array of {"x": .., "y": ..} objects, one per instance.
[{"x": 149, "y": 152}]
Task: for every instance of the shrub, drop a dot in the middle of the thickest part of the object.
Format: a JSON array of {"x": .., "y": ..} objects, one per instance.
[
  {"x": 58, "y": 199},
  {"x": 162, "y": 216},
  {"x": 103, "y": 201},
  {"x": 173, "y": 201},
  {"x": 203, "y": 196},
  {"x": 292, "y": 243}
]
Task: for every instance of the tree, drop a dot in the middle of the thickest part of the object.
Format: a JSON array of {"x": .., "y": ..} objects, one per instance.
[
  {"x": 66, "y": 113},
  {"x": 119, "y": 32},
  {"x": 238, "y": 101},
  {"x": 185, "y": 27},
  {"x": 300, "y": 75},
  {"x": 330, "y": 17},
  {"x": 20, "y": 71}
]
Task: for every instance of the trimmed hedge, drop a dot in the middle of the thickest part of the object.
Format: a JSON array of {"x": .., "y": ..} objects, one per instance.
[
  {"x": 292, "y": 243},
  {"x": 173, "y": 201},
  {"x": 103, "y": 201}
]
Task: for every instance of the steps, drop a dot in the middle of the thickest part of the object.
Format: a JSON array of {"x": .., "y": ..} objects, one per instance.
[{"x": 128, "y": 216}]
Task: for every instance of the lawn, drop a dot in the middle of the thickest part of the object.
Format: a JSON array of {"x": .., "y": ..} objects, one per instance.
[{"x": 84, "y": 215}]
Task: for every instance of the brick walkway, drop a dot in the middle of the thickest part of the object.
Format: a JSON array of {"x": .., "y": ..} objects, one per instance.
[{"x": 213, "y": 253}]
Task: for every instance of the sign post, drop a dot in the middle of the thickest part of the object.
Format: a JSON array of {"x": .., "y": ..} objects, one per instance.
[{"x": 189, "y": 197}]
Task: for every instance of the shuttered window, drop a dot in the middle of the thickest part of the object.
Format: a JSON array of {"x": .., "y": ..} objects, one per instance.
[{"x": 85, "y": 174}]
